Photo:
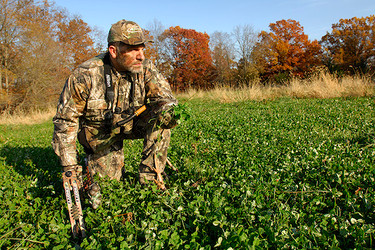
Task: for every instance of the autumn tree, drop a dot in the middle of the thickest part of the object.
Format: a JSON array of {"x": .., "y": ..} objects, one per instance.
[
  {"x": 223, "y": 56},
  {"x": 246, "y": 39},
  {"x": 350, "y": 44},
  {"x": 150, "y": 49},
  {"x": 286, "y": 50},
  {"x": 158, "y": 51},
  {"x": 40, "y": 58},
  {"x": 74, "y": 36},
  {"x": 189, "y": 54},
  {"x": 40, "y": 46},
  {"x": 154, "y": 32},
  {"x": 9, "y": 35}
]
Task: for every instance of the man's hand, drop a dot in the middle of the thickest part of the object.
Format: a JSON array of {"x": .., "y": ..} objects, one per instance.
[
  {"x": 164, "y": 110},
  {"x": 167, "y": 119},
  {"x": 78, "y": 171}
]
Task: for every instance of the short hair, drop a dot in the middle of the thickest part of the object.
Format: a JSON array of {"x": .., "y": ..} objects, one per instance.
[{"x": 119, "y": 45}]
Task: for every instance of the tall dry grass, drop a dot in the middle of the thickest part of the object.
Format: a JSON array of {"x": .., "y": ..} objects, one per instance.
[
  {"x": 325, "y": 85},
  {"x": 27, "y": 117},
  {"x": 320, "y": 85}
]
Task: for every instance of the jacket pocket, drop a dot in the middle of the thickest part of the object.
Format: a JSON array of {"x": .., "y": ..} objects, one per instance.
[{"x": 96, "y": 110}]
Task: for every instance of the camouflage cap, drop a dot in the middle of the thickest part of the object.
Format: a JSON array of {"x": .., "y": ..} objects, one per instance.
[{"x": 127, "y": 32}]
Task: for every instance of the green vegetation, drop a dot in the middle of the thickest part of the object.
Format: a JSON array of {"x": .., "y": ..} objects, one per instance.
[{"x": 288, "y": 173}]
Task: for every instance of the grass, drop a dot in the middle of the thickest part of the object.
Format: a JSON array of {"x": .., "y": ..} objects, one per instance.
[
  {"x": 288, "y": 173},
  {"x": 27, "y": 117},
  {"x": 276, "y": 172},
  {"x": 320, "y": 85}
]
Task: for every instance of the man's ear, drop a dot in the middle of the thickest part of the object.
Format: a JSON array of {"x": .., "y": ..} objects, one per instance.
[{"x": 112, "y": 51}]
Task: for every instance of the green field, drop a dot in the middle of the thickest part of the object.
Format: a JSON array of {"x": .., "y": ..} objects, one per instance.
[{"x": 288, "y": 173}]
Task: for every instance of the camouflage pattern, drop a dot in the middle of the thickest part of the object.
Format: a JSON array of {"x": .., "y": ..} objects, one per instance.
[
  {"x": 127, "y": 32},
  {"x": 84, "y": 113},
  {"x": 95, "y": 195}
]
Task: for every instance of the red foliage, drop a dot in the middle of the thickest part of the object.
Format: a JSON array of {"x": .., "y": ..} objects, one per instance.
[{"x": 190, "y": 59}]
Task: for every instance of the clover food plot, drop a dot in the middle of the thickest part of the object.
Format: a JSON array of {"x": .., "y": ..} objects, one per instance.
[{"x": 285, "y": 173}]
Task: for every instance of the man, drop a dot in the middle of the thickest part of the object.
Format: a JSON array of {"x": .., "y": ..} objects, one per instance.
[{"x": 104, "y": 91}]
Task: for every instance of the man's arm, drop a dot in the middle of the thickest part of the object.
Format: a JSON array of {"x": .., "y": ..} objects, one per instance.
[
  {"x": 157, "y": 87},
  {"x": 160, "y": 98},
  {"x": 66, "y": 121}
]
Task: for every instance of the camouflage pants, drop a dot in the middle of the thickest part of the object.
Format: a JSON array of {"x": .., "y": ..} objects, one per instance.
[{"x": 110, "y": 161}]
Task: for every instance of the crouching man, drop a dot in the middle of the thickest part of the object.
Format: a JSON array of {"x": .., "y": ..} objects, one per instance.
[{"x": 97, "y": 105}]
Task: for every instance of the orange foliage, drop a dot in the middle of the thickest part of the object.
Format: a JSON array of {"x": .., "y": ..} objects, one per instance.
[
  {"x": 351, "y": 43},
  {"x": 39, "y": 45},
  {"x": 74, "y": 34},
  {"x": 286, "y": 49},
  {"x": 150, "y": 50},
  {"x": 191, "y": 59}
]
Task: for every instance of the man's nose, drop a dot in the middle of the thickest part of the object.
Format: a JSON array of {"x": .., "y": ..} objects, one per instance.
[{"x": 140, "y": 55}]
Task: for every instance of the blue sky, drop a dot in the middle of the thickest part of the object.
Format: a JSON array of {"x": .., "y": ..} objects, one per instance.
[{"x": 316, "y": 16}]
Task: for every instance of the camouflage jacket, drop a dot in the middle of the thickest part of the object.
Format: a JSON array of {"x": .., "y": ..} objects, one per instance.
[{"x": 83, "y": 103}]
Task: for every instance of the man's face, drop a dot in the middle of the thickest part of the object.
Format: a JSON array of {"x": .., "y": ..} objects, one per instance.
[{"x": 128, "y": 58}]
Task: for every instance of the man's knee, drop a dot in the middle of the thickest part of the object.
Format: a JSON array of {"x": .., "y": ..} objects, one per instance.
[{"x": 107, "y": 164}]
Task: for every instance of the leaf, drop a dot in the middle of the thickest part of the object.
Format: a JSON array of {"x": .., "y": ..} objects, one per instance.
[
  {"x": 216, "y": 223},
  {"x": 174, "y": 239},
  {"x": 218, "y": 243}
]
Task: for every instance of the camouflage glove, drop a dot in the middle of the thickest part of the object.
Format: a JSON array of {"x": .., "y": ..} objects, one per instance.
[
  {"x": 95, "y": 195},
  {"x": 164, "y": 110},
  {"x": 168, "y": 119}
]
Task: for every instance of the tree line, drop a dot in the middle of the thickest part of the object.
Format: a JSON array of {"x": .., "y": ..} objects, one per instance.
[{"x": 41, "y": 44}]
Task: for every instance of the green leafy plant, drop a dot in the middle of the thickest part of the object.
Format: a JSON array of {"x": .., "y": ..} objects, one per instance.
[
  {"x": 181, "y": 112},
  {"x": 290, "y": 173}
]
